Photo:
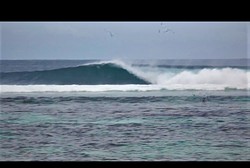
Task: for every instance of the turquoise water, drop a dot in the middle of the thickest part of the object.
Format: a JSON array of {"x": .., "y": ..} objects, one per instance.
[
  {"x": 195, "y": 110},
  {"x": 160, "y": 125}
]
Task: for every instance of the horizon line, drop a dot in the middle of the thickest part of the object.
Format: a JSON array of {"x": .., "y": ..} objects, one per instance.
[{"x": 127, "y": 59}]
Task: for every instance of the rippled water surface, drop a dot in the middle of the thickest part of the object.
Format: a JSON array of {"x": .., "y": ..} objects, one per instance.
[{"x": 159, "y": 125}]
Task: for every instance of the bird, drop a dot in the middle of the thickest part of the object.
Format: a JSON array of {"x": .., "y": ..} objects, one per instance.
[
  {"x": 165, "y": 29},
  {"x": 110, "y": 33},
  {"x": 169, "y": 30},
  {"x": 162, "y": 24}
]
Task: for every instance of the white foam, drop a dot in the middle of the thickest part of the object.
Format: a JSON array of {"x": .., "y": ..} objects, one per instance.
[
  {"x": 225, "y": 77},
  {"x": 204, "y": 79},
  {"x": 76, "y": 88},
  {"x": 105, "y": 88}
]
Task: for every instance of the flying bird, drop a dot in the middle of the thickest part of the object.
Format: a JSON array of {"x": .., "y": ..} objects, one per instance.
[
  {"x": 162, "y": 24},
  {"x": 169, "y": 30},
  {"x": 165, "y": 29},
  {"x": 110, "y": 33}
]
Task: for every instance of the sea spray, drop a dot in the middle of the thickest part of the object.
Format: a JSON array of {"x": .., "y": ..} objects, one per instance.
[{"x": 119, "y": 76}]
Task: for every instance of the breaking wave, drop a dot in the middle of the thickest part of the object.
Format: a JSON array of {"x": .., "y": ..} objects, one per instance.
[
  {"x": 118, "y": 76},
  {"x": 89, "y": 74}
]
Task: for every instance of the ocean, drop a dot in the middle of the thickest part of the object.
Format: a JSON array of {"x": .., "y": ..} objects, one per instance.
[{"x": 132, "y": 110}]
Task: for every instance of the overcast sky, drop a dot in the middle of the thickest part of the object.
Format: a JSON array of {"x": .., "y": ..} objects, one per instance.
[{"x": 124, "y": 40}]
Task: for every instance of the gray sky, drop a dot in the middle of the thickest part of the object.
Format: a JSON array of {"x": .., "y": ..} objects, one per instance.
[{"x": 124, "y": 40}]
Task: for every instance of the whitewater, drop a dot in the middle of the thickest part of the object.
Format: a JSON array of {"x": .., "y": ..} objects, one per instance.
[
  {"x": 117, "y": 75},
  {"x": 92, "y": 110}
]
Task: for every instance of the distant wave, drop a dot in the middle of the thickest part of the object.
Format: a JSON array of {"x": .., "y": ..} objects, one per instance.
[
  {"x": 89, "y": 74},
  {"x": 118, "y": 76}
]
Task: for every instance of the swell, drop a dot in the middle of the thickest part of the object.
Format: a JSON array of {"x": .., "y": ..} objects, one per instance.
[
  {"x": 91, "y": 74},
  {"x": 111, "y": 73}
]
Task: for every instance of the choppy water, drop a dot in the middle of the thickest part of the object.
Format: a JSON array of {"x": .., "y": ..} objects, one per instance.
[
  {"x": 127, "y": 122},
  {"x": 156, "y": 126}
]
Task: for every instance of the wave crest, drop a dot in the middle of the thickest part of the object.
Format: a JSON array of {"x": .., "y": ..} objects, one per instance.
[
  {"x": 91, "y": 74},
  {"x": 116, "y": 72}
]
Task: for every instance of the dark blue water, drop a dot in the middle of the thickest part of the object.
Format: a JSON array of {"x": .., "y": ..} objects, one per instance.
[
  {"x": 39, "y": 65},
  {"x": 80, "y": 75},
  {"x": 122, "y": 125}
]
